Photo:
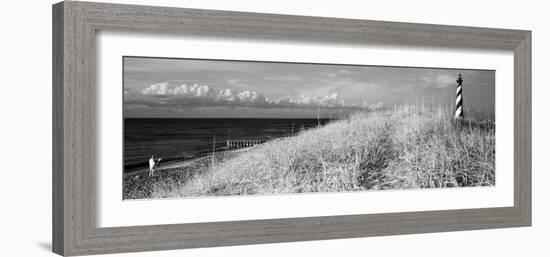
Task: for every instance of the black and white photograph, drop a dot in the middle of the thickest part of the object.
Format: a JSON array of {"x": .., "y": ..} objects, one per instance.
[
  {"x": 135, "y": 128},
  {"x": 202, "y": 128}
]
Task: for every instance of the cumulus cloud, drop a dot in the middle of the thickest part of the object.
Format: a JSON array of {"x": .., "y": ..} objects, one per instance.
[
  {"x": 330, "y": 100},
  {"x": 226, "y": 95},
  {"x": 156, "y": 89},
  {"x": 314, "y": 101},
  {"x": 243, "y": 97},
  {"x": 164, "y": 88},
  {"x": 202, "y": 95},
  {"x": 248, "y": 96}
]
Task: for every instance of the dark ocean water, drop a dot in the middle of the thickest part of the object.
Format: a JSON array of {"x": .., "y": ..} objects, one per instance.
[{"x": 185, "y": 139}]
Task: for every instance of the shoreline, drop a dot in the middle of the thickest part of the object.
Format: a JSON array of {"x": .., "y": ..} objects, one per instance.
[
  {"x": 173, "y": 165},
  {"x": 138, "y": 185}
]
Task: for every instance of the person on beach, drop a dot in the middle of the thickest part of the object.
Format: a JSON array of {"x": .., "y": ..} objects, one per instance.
[{"x": 151, "y": 166}]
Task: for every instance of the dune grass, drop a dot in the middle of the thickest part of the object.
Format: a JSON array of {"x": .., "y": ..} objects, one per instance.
[{"x": 403, "y": 148}]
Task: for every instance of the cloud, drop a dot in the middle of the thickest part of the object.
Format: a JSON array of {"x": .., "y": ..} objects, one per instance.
[
  {"x": 226, "y": 95},
  {"x": 310, "y": 101},
  {"x": 196, "y": 90},
  {"x": 156, "y": 89},
  {"x": 164, "y": 94},
  {"x": 330, "y": 100},
  {"x": 246, "y": 97},
  {"x": 164, "y": 88}
]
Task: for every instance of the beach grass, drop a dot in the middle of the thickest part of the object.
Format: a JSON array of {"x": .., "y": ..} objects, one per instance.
[{"x": 400, "y": 148}]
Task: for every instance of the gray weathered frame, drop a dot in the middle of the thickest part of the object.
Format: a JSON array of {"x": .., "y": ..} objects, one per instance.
[{"x": 74, "y": 126}]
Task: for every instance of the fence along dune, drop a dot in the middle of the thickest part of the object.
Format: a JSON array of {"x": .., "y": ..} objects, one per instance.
[{"x": 406, "y": 147}]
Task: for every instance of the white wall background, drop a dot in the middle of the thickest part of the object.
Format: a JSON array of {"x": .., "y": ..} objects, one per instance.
[{"x": 25, "y": 130}]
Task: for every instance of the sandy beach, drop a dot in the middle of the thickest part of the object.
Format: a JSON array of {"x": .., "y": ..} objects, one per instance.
[{"x": 138, "y": 184}]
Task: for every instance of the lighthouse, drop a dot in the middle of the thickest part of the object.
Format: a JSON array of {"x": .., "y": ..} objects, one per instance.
[{"x": 459, "y": 111}]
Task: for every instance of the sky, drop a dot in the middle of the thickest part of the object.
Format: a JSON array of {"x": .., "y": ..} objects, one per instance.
[{"x": 193, "y": 88}]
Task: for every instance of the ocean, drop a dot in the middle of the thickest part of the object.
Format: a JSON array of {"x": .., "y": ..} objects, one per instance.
[{"x": 186, "y": 139}]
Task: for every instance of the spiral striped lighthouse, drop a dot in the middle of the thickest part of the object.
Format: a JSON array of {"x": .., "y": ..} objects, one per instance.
[{"x": 459, "y": 111}]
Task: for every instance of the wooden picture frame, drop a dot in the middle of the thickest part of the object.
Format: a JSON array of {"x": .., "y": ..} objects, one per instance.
[{"x": 75, "y": 25}]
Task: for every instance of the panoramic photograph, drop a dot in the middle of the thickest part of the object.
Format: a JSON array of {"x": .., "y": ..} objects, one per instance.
[{"x": 212, "y": 128}]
